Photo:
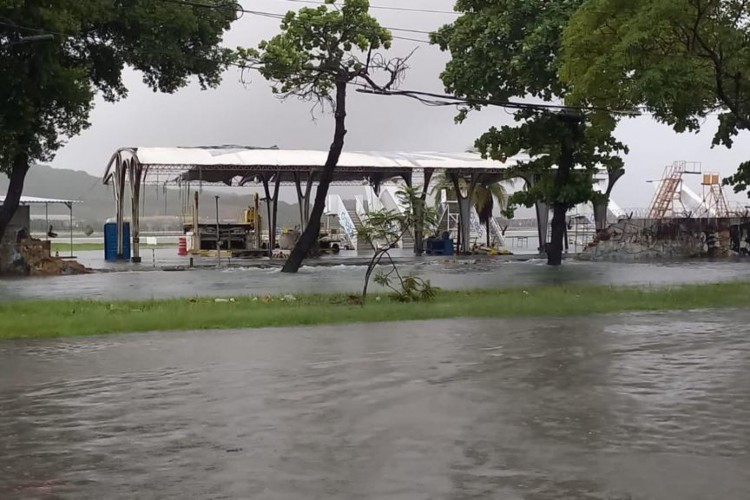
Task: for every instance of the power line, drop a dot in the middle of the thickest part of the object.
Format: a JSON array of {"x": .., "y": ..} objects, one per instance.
[
  {"x": 4, "y": 21},
  {"x": 383, "y": 7},
  {"x": 426, "y": 42},
  {"x": 236, "y": 6},
  {"x": 434, "y": 99}
]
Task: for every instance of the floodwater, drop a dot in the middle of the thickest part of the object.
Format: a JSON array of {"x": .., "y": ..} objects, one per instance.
[
  {"x": 621, "y": 407},
  {"x": 448, "y": 273}
]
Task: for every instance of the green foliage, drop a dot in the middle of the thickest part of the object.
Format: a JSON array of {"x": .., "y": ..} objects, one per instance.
[
  {"x": 680, "y": 59},
  {"x": 383, "y": 229},
  {"x": 317, "y": 48},
  {"x": 383, "y": 226},
  {"x": 501, "y": 49},
  {"x": 484, "y": 197},
  {"x": 47, "y": 87},
  {"x": 412, "y": 288}
]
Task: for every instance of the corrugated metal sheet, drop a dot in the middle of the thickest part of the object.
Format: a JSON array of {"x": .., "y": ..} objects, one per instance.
[{"x": 33, "y": 200}]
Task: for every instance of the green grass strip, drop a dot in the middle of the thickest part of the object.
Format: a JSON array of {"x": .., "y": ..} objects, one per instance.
[{"x": 46, "y": 319}]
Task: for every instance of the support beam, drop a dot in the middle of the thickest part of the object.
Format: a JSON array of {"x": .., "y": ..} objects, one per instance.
[
  {"x": 419, "y": 232},
  {"x": 70, "y": 208},
  {"x": 275, "y": 213},
  {"x": 119, "y": 192},
  {"x": 601, "y": 206},
  {"x": 272, "y": 205},
  {"x": 464, "y": 223},
  {"x": 303, "y": 196},
  {"x": 601, "y": 209},
  {"x": 542, "y": 216},
  {"x": 375, "y": 182},
  {"x": 408, "y": 178},
  {"x": 542, "y": 221},
  {"x": 196, "y": 222},
  {"x": 464, "y": 209},
  {"x": 135, "y": 175}
]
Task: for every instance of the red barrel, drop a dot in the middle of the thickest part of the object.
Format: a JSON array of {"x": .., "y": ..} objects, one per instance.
[{"x": 182, "y": 246}]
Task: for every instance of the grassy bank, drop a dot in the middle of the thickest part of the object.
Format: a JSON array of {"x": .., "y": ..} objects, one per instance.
[{"x": 78, "y": 318}]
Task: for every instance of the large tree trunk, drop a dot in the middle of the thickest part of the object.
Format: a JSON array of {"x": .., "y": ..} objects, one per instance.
[
  {"x": 13, "y": 197},
  {"x": 555, "y": 248},
  {"x": 312, "y": 232},
  {"x": 487, "y": 227},
  {"x": 560, "y": 208}
]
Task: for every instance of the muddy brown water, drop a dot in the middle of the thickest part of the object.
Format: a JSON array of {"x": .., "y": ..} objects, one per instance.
[
  {"x": 446, "y": 273},
  {"x": 620, "y": 407}
]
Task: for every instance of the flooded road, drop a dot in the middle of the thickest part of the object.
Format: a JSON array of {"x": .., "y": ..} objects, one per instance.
[
  {"x": 462, "y": 273},
  {"x": 620, "y": 407}
]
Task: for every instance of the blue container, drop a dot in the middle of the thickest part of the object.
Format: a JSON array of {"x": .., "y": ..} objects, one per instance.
[
  {"x": 443, "y": 246},
  {"x": 110, "y": 242}
]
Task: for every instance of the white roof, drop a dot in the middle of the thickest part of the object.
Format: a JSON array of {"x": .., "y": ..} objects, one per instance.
[
  {"x": 228, "y": 164},
  {"x": 312, "y": 158},
  {"x": 33, "y": 200}
]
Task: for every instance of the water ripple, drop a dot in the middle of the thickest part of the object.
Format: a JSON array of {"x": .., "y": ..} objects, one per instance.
[{"x": 640, "y": 406}]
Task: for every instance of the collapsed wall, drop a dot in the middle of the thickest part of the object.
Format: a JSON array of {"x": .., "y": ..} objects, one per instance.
[
  {"x": 634, "y": 239},
  {"x": 28, "y": 256}
]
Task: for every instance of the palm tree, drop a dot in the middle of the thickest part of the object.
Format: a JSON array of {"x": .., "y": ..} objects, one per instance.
[{"x": 484, "y": 198}]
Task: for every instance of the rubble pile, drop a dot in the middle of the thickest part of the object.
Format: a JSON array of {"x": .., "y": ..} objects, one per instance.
[
  {"x": 31, "y": 257},
  {"x": 663, "y": 238}
]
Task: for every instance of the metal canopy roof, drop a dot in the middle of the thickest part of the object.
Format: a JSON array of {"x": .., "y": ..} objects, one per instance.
[
  {"x": 222, "y": 164},
  {"x": 32, "y": 200}
]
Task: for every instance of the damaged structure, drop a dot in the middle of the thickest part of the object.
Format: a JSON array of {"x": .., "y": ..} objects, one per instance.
[
  {"x": 23, "y": 255},
  {"x": 130, "y": 169},
  {"x": 679, "y": 223}
]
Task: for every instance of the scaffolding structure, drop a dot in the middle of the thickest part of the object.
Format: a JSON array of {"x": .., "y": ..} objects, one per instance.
[
  {"x": 667, "y": 201},
  {"x": 714, "y": 202}
]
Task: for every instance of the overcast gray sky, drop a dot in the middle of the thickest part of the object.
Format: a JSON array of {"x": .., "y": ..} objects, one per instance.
[{"x": 250, "y": 115}]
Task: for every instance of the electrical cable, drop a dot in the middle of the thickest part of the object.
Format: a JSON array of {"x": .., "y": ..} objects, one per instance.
[
  {"x": 273, "y": 15},
  {"x": 383, "y": 7}
]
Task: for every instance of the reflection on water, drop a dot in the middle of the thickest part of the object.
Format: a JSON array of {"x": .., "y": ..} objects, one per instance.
[
  {"x": 445, "y": 273},
  {"x": 622, "y": 407}
]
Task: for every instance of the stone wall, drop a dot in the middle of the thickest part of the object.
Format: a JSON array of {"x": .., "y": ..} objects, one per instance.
[{"x": 634, "y": 239}]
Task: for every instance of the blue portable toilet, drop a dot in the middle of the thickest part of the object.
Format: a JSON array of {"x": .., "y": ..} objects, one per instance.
[{"x": 110, "y": 241}]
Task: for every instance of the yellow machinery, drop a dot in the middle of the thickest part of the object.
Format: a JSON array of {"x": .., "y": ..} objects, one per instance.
[
  {"x": 249, "y": 216},
  {"x": 239, "y": 237}
]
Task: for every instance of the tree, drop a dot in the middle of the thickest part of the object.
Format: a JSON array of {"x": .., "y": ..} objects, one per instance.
[
  {"x": 680, "y": 59},
  {"x": 318, "y": 54},
  {"x": 383, "y": 229},
  {"x": 80, "y": 49},
  {"x": 502, "y": 49},
  {"x": 484, "y": 198}
]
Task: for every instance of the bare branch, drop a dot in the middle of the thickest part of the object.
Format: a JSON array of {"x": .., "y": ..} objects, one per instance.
[{"x": 394, "y": 68}]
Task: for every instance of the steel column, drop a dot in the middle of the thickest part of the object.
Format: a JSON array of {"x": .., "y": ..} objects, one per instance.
[
  {"x": 542, "y": 221},
  {"x": 119, "y": 192},
  {"x": 135, "y": 174}
]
